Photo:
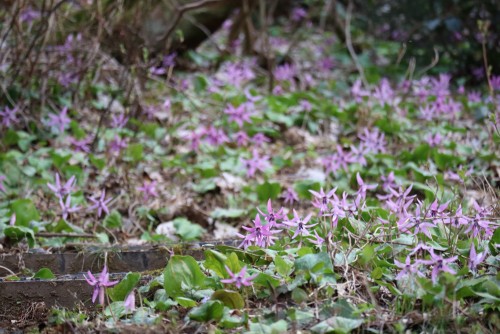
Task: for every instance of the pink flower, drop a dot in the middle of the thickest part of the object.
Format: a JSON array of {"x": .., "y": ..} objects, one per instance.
[
  {"x": 129, "y": 303},
  {"x": 99, "y": 284},
  {"x": 322, "y": 199},
  {"x": 238, "y": 279},
  {"x": 149, "y": 190},
  {"x": 301, "y": 227},
  {"x": 272, "y": 217},
  {"x": 474, "y": 258},
  {"x": 62, "y": 190},
  {"x": 100, "y": 204},
  {"x": 66, "y": 207},
  {"x": 2, "y": 186}
]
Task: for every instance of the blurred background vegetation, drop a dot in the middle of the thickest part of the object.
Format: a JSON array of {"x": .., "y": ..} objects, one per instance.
[{"x": 48, "y": 46}]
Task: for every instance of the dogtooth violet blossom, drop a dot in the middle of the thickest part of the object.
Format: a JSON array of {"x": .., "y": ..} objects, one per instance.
[
  {"x": 239, "y": 279},
  {"x": 59, "y": 122},
  {"x": 129, "y": 302},
  {"x": 100, "y": 204},
  {"x": 439, "y": 264},
  {"x": 100, "y": 284},
  {"x": 301, "y": 227},
  {"x": 272, "y": 217},
  {"x": 66, "y": 207},
  {"x": 260, "y": 235},
  {"x": 407, "y": 268},
  {"x": 474, "y": 258},
  {"x": 62, "y": 190},
  {"x": 2, "y": 186},
  {"x": 322, "y": 199},
  {"x": 148, "y": 189}
]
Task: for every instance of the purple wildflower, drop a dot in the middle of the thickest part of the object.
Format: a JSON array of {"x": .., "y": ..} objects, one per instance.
[
  {"x": 59, "y": 122},
  {"x": 129, "y": 302},
  {"x": 474, "y": 258},
  {"x": 2, "y": 186},
  {"x": 99, "y": 284},
  {"x": 239, "y": 279},
  {"x": 321, "y": 200},
  {"x": 388, "y": 182},
  {"x": 238, "y": 114},
  {"x": 301, "y": 227},
  {"x": 81, "y": 145},
  {"x": 62, "y": 190},
  {"x": 66, "y": 207},
  {"x": 318, "y": 241},
  {"x": 9, "y": 116},
  {"x": 407, "y": 269},
  {"x": 261, "y": 235},
  {"x": 290, "y": 196},
  {"x": 272, "y": 217},
  {"x": 363, "y": 187},
  {"x": 241, "y": 138},
  {"x": 149, "y": 190},
  {"x": 439, "y": 264},
  {"x": 119, "y": 121},
  {"x": 259, "y": 139},
  {"x": 100, "y": 204},
  {"x": 256, "y": 163},
  {"x": 117, "y": 145}
]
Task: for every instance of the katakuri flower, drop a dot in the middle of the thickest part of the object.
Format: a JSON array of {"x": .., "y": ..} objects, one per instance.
[
  {"x": 61, "y": 190},
  {"x": 239, "y": 279},
  {"x": 100, "y": 204},
  {"x": 100, "y": 284}
]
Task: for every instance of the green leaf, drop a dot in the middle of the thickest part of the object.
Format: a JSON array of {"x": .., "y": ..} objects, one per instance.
[
  {"x": 25, "y": 211},
  {"x": 299, "y": 295},
  {"x": 113, "y": 220},
  {"x": 97, "y": 162},
  {"x": 102, "y": 237},
  {"x": 337, "y": 325},
  {"x": 120, "y": 291},
  {"x": 186, "y": 302},
  {"x": 187, "y": 230},
  {"x": 211, "y": 310},
  {"x": 377, "y": 273},
  {"x": 204, "y": 185},
  {"x": 135, "y": 152},
  {"x": 44, "y": 273},
  {"x": 268, "y": 190},
  {"x": 18, "y": 233},
  {"x": 229, "y": 298},
  {"x": 282, "y": 267},
  {"x": 215, "y": 261},
  {"x": 302, "y": 188},
  {"x": 314, "y": 261},
  {"x": 182, "y": 271},
  {"x": 278, "y": 327}
]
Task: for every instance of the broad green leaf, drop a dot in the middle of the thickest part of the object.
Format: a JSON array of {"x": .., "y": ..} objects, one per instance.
[
  {"x": 208, "y": 311},
  {"x": 113, "y": 220},
  {"x": 44, "y": 273},
  {"x": 215, "y": 261},
  {"x": 282, "y": 267},
  {"x": 187, "y": 230},
  {"x": 25, "y": 211},
  {"x": 120, "y": 291},
  {"x": 186, "y": 302},
  {"x": 182, "y": 271},
  {"x": 337, "y": 325},
  {"x": 18, "y": 233},
  {"x": 268, "y": 190},
  {"x": 229, "y": 298},
  {"x": 299, "y": 295},
  {"x": 279, "y": 327}
]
